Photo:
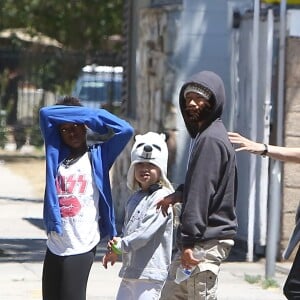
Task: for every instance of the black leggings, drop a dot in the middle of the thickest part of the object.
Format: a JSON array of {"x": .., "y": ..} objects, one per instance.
[
  {"x": 65, "y": 277},
  {"x": 291, "y": 287}
]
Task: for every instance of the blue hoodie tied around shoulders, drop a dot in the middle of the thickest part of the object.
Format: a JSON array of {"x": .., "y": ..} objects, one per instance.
[{"x": 102, "y": 156}]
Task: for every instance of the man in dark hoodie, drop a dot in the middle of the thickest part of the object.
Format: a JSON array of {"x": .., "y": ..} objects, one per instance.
[{"x": 208, "y": 195}]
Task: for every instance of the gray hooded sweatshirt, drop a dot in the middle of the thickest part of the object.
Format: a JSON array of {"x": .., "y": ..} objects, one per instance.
[
  {"x": 209, "y": 193},
  {"x": 147, "y": 241}
]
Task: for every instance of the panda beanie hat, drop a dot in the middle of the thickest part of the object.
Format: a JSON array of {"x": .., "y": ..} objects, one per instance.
[{"x": 151, "y": 148}]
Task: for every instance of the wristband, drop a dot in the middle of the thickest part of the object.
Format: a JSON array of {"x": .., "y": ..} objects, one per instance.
[
  {"x": 116, "y": 249},
  {"x": 265, "y": 151}
]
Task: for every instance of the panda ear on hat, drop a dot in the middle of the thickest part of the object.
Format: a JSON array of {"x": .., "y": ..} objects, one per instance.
[
  {"x": 163, "y": 136},
  {"x": 136, "y": 137}
]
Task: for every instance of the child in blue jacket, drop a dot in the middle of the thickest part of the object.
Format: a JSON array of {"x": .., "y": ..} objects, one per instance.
[{"x": 78, "y": 208}]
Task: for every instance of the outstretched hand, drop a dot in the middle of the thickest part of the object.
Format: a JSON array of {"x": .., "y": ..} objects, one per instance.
[{"x": 245, "y": 144}]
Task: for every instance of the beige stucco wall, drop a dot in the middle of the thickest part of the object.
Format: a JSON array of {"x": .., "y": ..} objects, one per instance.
[{"x": 291, "y": 175}]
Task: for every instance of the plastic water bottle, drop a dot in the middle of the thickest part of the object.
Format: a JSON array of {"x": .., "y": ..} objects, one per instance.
[{"x": 183, "y": 273}]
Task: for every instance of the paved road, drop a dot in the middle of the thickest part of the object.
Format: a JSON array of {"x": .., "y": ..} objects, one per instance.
[{"x": 22, "y": 245}]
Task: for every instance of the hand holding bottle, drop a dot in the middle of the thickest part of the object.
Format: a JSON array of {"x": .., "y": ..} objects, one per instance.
[
  {"x": 190, "y": 257},
  {"x": 185, "y": 270}
]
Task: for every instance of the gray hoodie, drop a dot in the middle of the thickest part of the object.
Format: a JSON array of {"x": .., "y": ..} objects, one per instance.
[
  {"x": 209, "y": 194},
  {"x": 147, "y": 240}
]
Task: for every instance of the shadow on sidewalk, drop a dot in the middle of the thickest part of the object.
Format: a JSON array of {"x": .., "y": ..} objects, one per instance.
[
  {"x": 33, "y": 250},
  {"x": 22, "y": 199},
  {"x": 22, "y": 250}
]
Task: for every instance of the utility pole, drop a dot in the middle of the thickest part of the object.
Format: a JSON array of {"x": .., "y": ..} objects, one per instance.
[
  {"x": 276, "y": 170},
  {"x": 253, "y": 131}
]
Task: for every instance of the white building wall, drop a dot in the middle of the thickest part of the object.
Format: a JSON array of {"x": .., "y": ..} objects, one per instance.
[{"x": 204, "y": 43}]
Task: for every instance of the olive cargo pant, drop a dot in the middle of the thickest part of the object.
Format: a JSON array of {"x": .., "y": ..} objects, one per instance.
[{"x": 202, "y": 285}]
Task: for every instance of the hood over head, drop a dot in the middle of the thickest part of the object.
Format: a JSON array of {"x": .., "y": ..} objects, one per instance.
[{"x": 210, "y": 85}]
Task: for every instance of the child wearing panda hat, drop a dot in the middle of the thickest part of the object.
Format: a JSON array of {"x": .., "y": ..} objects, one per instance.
[{"x": 146, "y": 244}]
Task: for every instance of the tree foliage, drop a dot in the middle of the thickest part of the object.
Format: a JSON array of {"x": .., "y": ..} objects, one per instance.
[{"x": 84, "y": 25}]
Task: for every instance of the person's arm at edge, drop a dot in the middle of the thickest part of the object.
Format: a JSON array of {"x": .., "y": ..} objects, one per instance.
[
  {"x": 287, "y": 154},
  {"x": 170, "y": 200}
]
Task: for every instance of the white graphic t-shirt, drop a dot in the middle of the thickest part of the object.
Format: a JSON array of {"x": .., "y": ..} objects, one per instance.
[{"x": 78, "y": 201}]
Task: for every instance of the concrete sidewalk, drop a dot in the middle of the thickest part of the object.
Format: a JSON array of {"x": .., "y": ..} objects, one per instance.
[{"x": 22, "y": 246}]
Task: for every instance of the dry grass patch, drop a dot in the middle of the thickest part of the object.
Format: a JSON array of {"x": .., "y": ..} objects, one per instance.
[{"x": 31, "y": 169}]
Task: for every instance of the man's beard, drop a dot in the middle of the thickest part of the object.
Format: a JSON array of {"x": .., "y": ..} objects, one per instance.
[{"x": 196, "y": 114}]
